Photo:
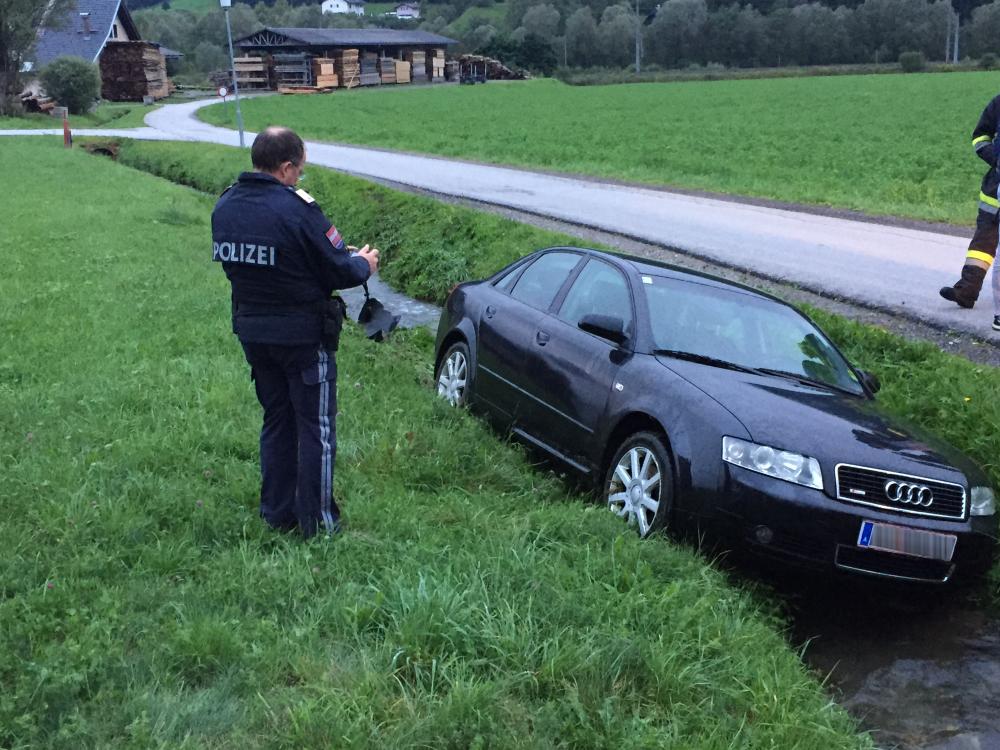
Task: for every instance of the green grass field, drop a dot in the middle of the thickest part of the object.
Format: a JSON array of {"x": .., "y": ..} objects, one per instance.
[
  {"x": 472, "y": 602},
  {"x": 106, "y": 114},
  {"x": 885, "y": 145}
]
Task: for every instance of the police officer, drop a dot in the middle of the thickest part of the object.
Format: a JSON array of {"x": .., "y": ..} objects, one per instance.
[
  {"x": 283, "y": 259},
  {"x": 983, "y": 247}
]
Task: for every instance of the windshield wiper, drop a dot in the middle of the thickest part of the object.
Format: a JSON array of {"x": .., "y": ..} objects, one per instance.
[
  {"x": 802, "y": 378},
  {"x": 704, "y": 359}
]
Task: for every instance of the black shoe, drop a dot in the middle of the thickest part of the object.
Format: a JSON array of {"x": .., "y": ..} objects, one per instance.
[
  {"x": 996, "y": 322},
  {"x": 951, "y": 294}
]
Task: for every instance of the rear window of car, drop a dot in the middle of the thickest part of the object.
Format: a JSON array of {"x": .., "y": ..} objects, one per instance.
[{"x": 542, "y": 280}]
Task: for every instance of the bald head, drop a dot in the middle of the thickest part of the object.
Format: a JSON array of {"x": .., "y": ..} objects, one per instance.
[{"x": 274, "y": 146}]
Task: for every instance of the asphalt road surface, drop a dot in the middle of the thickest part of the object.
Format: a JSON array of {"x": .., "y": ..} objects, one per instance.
[{"x": 891, "y": 268}]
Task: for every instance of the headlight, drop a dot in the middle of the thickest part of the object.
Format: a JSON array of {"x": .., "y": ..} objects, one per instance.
[
  {"x": 764, "y": 459},
  {"x": 983, "y": 503}
]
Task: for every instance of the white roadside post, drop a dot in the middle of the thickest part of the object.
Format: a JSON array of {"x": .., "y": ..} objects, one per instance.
[{"x": 226, "y": 5}]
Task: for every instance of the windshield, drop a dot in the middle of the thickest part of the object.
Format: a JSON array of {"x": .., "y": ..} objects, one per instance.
[{"x": 735, "y": 326}]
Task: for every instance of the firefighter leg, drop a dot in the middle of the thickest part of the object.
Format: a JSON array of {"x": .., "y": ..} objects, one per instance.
[{"x": 979, "y": 258}]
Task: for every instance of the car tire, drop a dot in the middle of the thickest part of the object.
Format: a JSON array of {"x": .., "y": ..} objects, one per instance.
[
  {"x": 639, "y": 483},
  {"x": 454, "y": 375}
]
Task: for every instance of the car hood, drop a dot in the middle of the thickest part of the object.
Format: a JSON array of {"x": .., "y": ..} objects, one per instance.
[{"x": 830, "y": 425}]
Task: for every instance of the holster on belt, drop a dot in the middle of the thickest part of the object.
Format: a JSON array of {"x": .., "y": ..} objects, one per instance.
[{"x": 334, "y": 311}]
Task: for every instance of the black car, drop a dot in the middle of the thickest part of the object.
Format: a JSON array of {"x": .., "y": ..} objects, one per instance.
[{"x": 685, "y": 396}]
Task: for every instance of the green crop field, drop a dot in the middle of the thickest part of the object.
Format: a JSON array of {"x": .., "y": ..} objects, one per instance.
[
  {"x": 473, "y": 602},
  {"x": 887, "y": 145}
]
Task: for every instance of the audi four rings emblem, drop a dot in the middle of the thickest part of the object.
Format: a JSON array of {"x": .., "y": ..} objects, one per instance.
[{"x": 908, "y": 494}]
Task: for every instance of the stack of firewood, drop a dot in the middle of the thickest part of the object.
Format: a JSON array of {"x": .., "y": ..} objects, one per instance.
[{"x": 131, "y": 71}]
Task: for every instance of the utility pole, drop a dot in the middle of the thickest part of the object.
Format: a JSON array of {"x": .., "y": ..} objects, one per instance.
[
  {"x": 947, "y": 37},
  {"x": 638, "y": 38},
  {"x": 958, "y": 24},
  {"x": 226, "y": 4}
]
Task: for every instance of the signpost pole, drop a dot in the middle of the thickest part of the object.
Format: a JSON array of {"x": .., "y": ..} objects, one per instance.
[{"x": 226, "y": 4}]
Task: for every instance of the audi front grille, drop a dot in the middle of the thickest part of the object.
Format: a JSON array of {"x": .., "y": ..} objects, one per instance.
[{"x": 902, "y": 493}]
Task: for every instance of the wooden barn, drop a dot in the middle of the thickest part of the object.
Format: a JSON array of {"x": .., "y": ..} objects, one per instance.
[{"x": 289, "y": 59}]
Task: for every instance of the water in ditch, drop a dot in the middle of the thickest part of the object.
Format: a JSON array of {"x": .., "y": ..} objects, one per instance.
[{"x": 918, "y": 667}]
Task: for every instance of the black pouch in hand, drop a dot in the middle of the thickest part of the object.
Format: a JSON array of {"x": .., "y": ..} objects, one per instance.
[{"x": 334, "y": 311}]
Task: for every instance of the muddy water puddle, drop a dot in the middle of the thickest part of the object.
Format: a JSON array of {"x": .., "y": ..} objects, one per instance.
[{"x": 919, "y": 669}]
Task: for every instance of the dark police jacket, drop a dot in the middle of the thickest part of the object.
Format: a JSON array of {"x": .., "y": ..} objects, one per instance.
[
  {"x": 983, "y": 142},
  {"x": 283, "y": 258}
]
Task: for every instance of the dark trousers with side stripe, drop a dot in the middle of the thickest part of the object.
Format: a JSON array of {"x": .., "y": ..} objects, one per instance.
[
  {"x": 981, "y": 253},
  {"x": 297, "y": 388}
]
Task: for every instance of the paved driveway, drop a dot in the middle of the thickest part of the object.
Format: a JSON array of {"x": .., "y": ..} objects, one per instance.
[{"x": 888, "y": 267}]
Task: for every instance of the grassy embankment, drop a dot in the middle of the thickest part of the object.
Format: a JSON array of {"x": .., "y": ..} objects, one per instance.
[
  {"x": 105, "y": 115},
  {"x": 883, "y": 145},
  {"x": 471, "y": 603}
]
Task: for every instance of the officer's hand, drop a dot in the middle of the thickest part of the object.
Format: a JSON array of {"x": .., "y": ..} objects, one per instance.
[{"x": 370, "y": 255}]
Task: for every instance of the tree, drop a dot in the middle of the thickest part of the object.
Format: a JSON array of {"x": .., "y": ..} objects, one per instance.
[
  {"x": 19, "y": 24},
  {"x": 537, "y": 54},
  {"x": 676, "y": 34},
  {"x": 983, "y": 33},
  {"x": 209, "y": 57},
  {"x": 617, "y": 35},
  {"x": 581, "y": 37},
  {"x": 73, "y": 82},
  {"x": 541, "y": 20}
]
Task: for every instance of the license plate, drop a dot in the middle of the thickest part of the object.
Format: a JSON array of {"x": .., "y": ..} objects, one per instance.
[{"x": 906, "y": 541}]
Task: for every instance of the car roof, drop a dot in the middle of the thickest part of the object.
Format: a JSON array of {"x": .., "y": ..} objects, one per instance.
[{"x": 658, "y": 268}]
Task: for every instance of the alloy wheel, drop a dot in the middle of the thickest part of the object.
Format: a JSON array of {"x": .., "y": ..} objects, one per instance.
[
  {"x": 452, "y": 377},
  {"x": 634, "y": 488}
]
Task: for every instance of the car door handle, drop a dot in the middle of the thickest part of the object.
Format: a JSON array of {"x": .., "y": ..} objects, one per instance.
[
  {"x": 490, "y": 311},
  {"x": 541, "y": 338}
]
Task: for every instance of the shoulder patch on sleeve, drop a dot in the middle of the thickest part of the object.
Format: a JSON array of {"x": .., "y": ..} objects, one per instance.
[{"x": 306, "y": 198}]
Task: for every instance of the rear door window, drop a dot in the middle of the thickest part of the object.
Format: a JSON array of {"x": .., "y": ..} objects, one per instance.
[{"x": 542, "y": 280}]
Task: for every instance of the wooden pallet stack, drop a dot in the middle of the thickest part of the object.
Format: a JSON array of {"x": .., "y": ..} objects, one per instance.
[
  {"x": 369, "y": 69},
  {"x": 402, "y": 71},
  {"x": 435, "y": 64},
  {"x": 251, "y": 72},
  {"x": 325, "y": 73},
  {"x": 418, "y": 64},
  {"x": 347, "y": 67},
  {"x": 387, "y": 69},
  {"x": 292, "y": 70},
  {"x": 132, "y": 71}
]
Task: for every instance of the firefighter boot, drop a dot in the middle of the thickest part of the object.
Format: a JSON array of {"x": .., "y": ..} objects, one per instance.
[{"x": 965, "y": 292}]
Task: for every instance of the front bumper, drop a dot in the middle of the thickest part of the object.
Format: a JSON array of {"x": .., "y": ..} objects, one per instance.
[{"x": 807, "y": 527}]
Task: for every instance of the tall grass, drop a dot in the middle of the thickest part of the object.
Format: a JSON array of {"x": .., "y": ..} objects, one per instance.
[
  {"x": 883, "y": 145},
  {"x": 471, "y": 603}
]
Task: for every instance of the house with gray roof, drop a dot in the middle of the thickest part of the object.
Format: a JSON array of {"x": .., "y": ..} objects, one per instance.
[{"x": 103, "y": 32}]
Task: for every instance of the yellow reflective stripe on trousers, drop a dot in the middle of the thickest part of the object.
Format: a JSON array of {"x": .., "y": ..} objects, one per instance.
[
  {"x": 980, "y": 139},
  {"x": 980, "y": 256},
  {"x": 988, "y": 200}
]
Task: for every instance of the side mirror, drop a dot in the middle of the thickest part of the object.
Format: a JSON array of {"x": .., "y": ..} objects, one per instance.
[
  {"x": 870, "y": 381},
  {"x": 609, "y": 327}
]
